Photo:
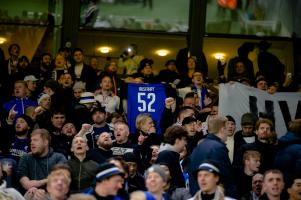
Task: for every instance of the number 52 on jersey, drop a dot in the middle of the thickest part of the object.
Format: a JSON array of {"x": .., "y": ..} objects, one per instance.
[{"x": 145, "y": 98}]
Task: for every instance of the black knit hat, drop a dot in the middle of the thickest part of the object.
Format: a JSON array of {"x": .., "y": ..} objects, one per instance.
[{"x": 28, "y": 120}]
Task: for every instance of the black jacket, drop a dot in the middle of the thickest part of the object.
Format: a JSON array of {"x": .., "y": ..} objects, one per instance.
[
  {"x": 267, "y": 151},
  {"x": 99, "y": 155},
  {"x": 88, "y": 76},
  {"x": 172, "y": 159},
  {"x": 212, "y": 148},
  {"x": 82, "y": 173}
]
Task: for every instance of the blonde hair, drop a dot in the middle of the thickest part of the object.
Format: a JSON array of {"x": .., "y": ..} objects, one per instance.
[
  {"x": 59, "y": 172},
  {"x": 81, "y": 196},
  {"x": 44, "y": 134},
  {"x": 141, "y": 119},
  {"x": 80, "y": 136},
  {"x": 264, "y": 121},
  {"x": 216, "y": 124},
  {"x": 251, "y": 154},
  {"x": 138, "y": 195},
  {"x": 295, "y": 126}
]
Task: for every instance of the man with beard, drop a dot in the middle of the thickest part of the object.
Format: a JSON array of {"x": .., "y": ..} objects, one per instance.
[
  {"x": 103, "y": 152},
  {"x": 45, "y": 67},
  {"x": 247, "y": 133},
  {"x": 93, "y": 132},
  {"x": 121, "y": 145},
  {"x": 20, "y": 142},
  {"x": 83, "y": 169},
  {"x": 66, "y": 136},
  {"x": 262, "y": 144},
  {"x": 34, "y": 168}
]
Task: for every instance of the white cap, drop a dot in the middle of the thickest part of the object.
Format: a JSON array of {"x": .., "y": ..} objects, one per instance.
[{"x": 30, "y": 78}]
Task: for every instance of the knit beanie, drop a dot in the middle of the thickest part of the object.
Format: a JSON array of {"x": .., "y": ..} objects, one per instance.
[
  {"x": 107, "y": 170},
  {"x": 248, "y": 119},
  {"x": 42, "y": 96},
  {"x": 79, "y": 85},
  {"x": 157, "y": 169},
  {"x": 28, "y": 120}
]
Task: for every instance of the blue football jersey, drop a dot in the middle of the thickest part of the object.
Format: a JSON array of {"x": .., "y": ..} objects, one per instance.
[{"x": 145, "y": 98}]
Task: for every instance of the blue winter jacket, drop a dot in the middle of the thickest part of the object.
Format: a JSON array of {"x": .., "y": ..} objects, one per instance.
[
  {"x": 21, "y": 105},
  {"x": 288, "y": 157},
  {"x": 214, "y": 149}
]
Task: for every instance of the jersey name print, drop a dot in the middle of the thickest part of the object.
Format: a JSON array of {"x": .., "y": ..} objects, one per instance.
[{"x": 145, "y": 98}]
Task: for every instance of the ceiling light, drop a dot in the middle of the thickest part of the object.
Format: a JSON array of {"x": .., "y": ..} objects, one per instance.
[
  {"x": 2, "y": 40},
  {"x": 162, "y": 52},
  {"x": 105, "y": 49},
  {"x": 219, "y": 56}
]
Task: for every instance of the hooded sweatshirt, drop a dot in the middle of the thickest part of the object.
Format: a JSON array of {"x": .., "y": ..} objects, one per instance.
[
  {"x": 38, "y": 168},
  {"x": 171, "y": 158}
]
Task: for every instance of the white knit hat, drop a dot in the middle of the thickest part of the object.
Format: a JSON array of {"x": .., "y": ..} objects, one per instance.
[
  {"x": 87, "y": 97},
  {"x": 42, "y": 96}
]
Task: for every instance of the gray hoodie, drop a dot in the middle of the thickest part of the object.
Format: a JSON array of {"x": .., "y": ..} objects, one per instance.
[{"x": 38, "y": 168}]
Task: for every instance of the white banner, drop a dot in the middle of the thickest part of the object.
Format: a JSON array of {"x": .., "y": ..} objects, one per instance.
[{"x": 237, "y": 99}]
